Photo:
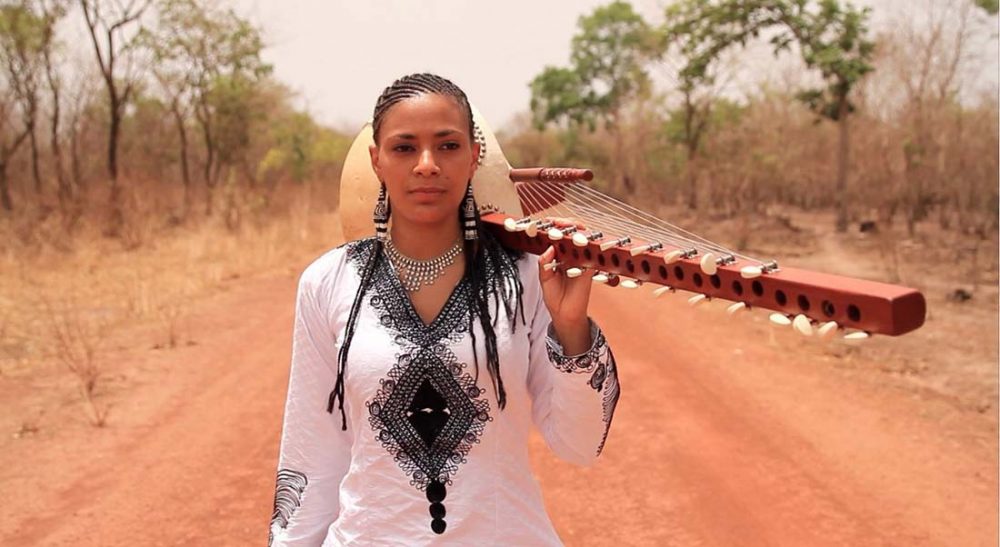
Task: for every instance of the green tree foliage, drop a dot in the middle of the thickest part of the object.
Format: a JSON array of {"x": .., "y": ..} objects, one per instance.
[
  {"x": 23, "y": 36},
  {"x": 608, "y": 57},
  {"x": 830, "y": 35},
  {"x": 210, "y": 61},
  {"x": 989, "y": 6},
  {"x": 607, "y": 69},
  {"x": 302, "y": 150}
]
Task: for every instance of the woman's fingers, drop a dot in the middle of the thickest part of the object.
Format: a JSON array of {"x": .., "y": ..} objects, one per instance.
[
  {"x": 565, "y": 222},
  {"x": 546, "y": 264}
]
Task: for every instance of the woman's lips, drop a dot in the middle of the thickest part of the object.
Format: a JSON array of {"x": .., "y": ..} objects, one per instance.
[{"x": 427, "y": 194}]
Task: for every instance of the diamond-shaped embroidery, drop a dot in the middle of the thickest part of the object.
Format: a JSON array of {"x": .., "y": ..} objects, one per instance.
[{"x": 428, "y": 414}]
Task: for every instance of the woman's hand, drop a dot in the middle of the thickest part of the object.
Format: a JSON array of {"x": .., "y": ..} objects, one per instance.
[{"x": 566, "y": 298}]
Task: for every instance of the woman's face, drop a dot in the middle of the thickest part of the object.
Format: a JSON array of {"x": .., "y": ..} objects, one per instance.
[{"x": 426, "y": 157}]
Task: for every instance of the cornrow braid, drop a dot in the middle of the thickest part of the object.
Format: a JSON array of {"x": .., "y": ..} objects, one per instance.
[
  {"x": 490, "y": 268},
  {"x": 412, "y": 86}
]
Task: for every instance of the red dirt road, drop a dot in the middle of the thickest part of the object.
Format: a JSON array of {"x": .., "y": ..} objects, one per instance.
[{"x": 721, "y": 438}]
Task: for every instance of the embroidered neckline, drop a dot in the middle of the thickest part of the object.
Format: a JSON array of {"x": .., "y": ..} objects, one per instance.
[
  {"x": 428, "y": 412},
  {"x": 396, "y": 311}
]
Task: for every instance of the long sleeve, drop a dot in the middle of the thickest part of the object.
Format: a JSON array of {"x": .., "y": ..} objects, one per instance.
[
  {"x": 573, "y": 397},
  {"x": 315, "y": 451}
]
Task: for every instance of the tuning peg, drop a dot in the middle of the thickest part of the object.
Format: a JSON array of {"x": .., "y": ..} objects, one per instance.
[
  {"x": 613, "y": 280},
  {"x": 574, "y": 272},
  {"x": 827, "y": 330},
  {"x": 581, "y": 240},
  {"x": 710, "y": 264},
  {"x": 532, "y": 229},
  {"x": 631, "y": 283},
  {"x": 662, "y": 291},
  {"x": 639, "y": 249},
  {"x": 780, "y": 319},
  {"x": 600, "y": 277},
  {"x": 559, "y": 233},
  {"x": 736, "y": 308},
  {"x": 616, "y": 243},
  {"x": 674, "y": 256},
  {"x": 802, "y": 325},
  {"x": 551, "y": 265},
  {"x": 751, "y": 272},
  {"x": 697, "y": 299},
  {"x": 856, "y": 338},
  {"x": 512, "y": 225}
]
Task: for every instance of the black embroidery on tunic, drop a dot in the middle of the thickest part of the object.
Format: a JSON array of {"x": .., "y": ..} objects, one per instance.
[
  {"x": 428, "y": 412},
  {"x": 287, "y": 498},
  {"x": 600, "y": 362}
]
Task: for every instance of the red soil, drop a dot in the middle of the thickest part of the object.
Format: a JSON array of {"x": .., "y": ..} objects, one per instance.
[{"x": 721, "y": 438}]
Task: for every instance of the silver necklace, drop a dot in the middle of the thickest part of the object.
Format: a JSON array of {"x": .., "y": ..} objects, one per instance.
[{"x": 415, "y": 273}]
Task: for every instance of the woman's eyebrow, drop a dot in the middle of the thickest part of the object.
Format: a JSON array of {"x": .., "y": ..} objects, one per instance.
[{"x": 438, "y": 135}]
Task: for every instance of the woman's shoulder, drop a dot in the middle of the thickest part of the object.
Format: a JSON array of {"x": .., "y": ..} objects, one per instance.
[{"x": 330, "y": 266}]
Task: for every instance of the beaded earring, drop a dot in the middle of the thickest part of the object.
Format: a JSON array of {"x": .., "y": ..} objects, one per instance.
[
  {"x": 470, "y": 222},
  {"x": 381, "y": 215}
]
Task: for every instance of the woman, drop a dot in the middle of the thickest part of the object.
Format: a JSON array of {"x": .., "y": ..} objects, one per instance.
[{"x": 422, "y": 448}]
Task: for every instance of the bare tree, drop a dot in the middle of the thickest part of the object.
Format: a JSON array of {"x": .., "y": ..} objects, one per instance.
[
  {"x": 19, "y": 47},
  {"x": 51, "y": 12},
  {"x": 113, "y": 27}
]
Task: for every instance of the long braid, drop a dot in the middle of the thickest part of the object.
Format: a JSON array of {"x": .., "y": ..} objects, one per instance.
[
  {"x": 489, "y": 267},
  {"x": 352, "y": 323}
]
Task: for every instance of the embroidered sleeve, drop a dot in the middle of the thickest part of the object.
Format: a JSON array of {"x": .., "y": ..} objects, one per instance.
[
  {"x": 574, "y": 396},
  {"x": 315, "y": 451}
]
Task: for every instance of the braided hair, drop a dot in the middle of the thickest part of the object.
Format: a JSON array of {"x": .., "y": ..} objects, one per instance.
[{"x": 490, "y": 269}]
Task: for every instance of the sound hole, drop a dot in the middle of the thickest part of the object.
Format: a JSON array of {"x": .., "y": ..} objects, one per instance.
[
  {"x": 679, "y": 273},
  {"x": 804, "y": 304},
  {"x": 586, "y": 253},
  {"x": 758, "y": 288},
  {"x": 697, "y": 280},
  {"x": 738, "y": 288},
  {"x": 600, "y": 259},
  {"x": 645, "y": 266},
  {"x": 828, "y": 309},
  {"x": 853, "y": 313},
  {"x": 576, "y": 254},
  {"x": 779, "y": 296},
  {"x": 662, "y": 271},
  {"x": 715, "y": 281},
  {"x": 615, "y": 261}
]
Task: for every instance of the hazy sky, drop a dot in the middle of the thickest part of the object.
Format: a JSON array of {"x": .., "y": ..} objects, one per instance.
[{"x": 339, "y": 55}]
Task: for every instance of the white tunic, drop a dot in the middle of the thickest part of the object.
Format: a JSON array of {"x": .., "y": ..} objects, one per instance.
[{"x": 427, "y": 458}]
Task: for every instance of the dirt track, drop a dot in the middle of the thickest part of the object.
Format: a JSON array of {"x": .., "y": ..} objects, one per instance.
[{"x": 721, "y": 438}]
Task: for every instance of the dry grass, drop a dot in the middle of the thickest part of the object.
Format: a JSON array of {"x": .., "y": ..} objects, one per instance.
[{"x": 62, "y": 298}]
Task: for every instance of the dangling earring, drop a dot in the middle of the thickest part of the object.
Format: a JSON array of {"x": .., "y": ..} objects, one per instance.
[
  {"x": 381, "y": 215},
  {"x": 470, "y": 223}
]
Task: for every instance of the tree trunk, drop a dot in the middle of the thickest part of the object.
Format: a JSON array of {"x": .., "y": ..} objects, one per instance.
[
  {"x": 5, "y": 201},
  {"x": 692, "y": 176},
  {"x": 76, "y": 166},
  {"x": 185, "y": 167},
  {"x": 36, "y": 172},
  {"x": 114, "y": 129},
  {"x": 210, "y": 160},
  {"x": 116, "y": 214},
  {"x": 842, "y": 165},
  {"x": 65, "y": 190}
]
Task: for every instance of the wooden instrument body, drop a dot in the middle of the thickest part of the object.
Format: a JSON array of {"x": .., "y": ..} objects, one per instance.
[{"x": 853, "y": 303}]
